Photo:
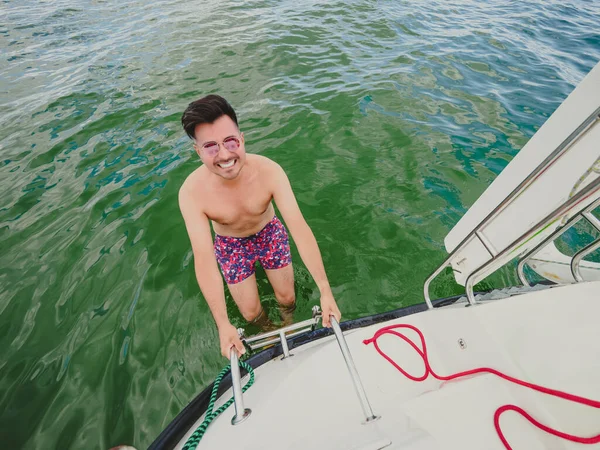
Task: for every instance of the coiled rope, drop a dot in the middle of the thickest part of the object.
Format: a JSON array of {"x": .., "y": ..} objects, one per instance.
[{"x": 422, "y": 351}]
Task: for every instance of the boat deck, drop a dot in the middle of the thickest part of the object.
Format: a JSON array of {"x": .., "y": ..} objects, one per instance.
[{"x": 549, "y": 337}]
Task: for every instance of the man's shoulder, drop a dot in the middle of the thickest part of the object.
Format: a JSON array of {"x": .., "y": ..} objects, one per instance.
[
  {"x": 264, "y": 164},
  {"x": 193, "y": 184}
]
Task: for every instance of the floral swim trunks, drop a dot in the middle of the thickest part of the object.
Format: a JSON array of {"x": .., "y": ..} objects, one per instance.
[{"x": 237, "y": 256}]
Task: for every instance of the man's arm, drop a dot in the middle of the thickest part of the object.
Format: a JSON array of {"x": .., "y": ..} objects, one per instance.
[
  {"x": 305, "y": 240},
  {"x": 207, "y": 272}
]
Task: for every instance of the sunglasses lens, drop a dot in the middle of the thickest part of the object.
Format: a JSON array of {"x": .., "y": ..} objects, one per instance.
[
  {"x": 231, "y": 144},
  {"x": 212, "y": 148}
]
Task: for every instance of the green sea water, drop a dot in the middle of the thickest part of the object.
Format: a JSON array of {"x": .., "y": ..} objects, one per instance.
[{"x": 390, "y": 118}]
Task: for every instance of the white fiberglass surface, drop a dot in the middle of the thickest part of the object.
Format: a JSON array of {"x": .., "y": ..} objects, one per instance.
[
  {"x": 546, "y": 337},
  {"x": 555, "y": 266}
]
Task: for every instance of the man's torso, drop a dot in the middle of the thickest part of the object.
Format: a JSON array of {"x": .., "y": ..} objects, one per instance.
[{"x": 237, "y": 209}]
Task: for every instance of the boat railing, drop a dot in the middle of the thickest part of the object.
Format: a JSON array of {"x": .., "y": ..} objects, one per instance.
[
  {"x": 282, "y": 335},
  {"x": 579, "y": 256},
  {"x": 575, "y": 206},
  {"x": 576, "y": 260},
  {"x": 241, "y": 413},
  {"x": 511, "y": 251}
]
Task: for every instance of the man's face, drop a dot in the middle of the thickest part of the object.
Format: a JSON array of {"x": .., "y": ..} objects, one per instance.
[{"x": 225, "y": 163}]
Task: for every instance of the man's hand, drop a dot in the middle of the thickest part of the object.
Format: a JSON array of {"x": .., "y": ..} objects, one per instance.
[
  {"x": 228, "y": 336},
  {"x": 329, "y": 307}
]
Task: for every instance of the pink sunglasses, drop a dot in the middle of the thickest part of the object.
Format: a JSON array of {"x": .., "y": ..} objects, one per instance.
[{"x": 230, "y": 143}]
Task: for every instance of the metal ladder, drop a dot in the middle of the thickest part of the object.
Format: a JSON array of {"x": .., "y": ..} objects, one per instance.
[{"x": 281, "y": 335}]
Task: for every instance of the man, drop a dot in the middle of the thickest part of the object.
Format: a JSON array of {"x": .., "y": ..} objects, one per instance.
[{"x": 235, "y": 191}]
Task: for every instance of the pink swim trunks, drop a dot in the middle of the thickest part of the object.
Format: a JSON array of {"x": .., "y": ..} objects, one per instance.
[{"x": 237, "y": 256}]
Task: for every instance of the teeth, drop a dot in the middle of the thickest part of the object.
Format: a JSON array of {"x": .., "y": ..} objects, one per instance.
[{"x": 227, "y": 165}]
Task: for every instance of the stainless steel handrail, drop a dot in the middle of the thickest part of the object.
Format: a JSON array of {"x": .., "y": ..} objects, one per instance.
[
  {"x": 304, "y": 324},
  {"x": 579, "y": 256},
  {"x": 592, "y": 219},
  {"x": 525, "y": 259},
  {"x": 284, "y": 345},
  {"x": 241, "y": 413},
  {"x": 558, "y": 232},
  {"x": 281, "y": 334},
  {"x": 595, "y": 222},
  {"x": 358, "y": 387},
  {"x": 261, "y": 340},
  {"x": 547, "y": 162},
  {"x": 277, "y": 339},
  {"x": 555, "y": 215}
]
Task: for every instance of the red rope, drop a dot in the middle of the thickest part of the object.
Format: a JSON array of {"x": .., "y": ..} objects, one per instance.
[{"x": 428, "y": 370}]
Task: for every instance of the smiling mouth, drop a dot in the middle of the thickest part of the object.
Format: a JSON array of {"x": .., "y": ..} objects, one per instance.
[{"x": 227, "y": 164}]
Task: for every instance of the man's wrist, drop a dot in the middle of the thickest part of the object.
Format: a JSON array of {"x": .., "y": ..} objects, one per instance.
[
  {"x": 223, "y": 323},
  {"x": 324, "y": 288}
]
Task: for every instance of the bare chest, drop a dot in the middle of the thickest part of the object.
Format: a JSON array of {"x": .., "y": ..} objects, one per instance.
[{"x": 239, "y": 212}]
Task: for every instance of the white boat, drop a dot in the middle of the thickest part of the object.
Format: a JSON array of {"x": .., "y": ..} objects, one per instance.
[{"x": 537, "y": 349}]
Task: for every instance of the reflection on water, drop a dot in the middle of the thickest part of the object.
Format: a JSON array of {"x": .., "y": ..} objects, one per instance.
[{"x": 390, "y": 119}]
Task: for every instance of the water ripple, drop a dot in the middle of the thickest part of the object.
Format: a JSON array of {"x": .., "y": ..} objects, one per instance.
[{"x": 389, "y": 117}]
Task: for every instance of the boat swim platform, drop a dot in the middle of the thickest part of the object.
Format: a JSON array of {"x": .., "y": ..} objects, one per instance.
[
  {"x": 549, "y": 337},
  {"x": 560, "y": 160}
]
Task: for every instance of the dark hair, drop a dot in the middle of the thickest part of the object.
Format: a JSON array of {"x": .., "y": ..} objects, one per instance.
[{"x": 206, "y": 110}]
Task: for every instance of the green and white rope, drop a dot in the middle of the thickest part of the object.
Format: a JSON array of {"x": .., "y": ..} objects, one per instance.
[{"x": 195, "y": 438}]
